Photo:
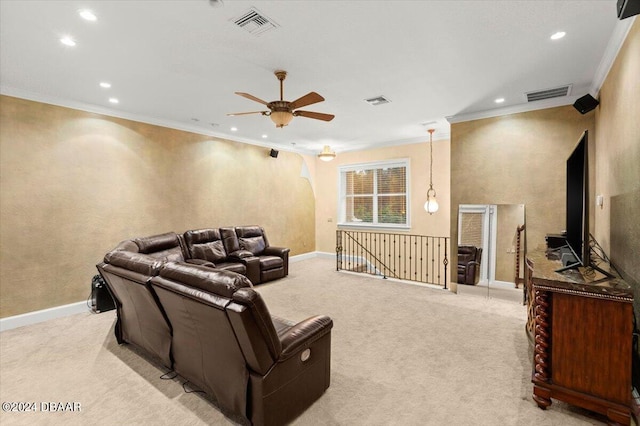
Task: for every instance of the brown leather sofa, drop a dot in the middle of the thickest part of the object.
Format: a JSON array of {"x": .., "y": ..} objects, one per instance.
[
  {"x": 204, "y": 320},
  {"x": 257, "y": 367},
  {"x": 207, "y": 244},
  {"x": 274, "y": 261},
  {"x": 127, "y": 270},
  {"x": 469, "y": 258}
]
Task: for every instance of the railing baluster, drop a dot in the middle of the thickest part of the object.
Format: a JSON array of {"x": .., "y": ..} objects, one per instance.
[{"x": 421, "y": 258}]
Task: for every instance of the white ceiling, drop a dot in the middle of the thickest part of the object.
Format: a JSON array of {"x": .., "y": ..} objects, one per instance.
[{"x": 174, "y": 62}]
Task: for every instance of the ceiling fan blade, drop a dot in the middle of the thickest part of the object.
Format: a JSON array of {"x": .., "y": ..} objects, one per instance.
[
  {"x": 308, "y": 99},
  {"x": 246, "y": 113},
  {"x": 253, "y": 98},
  {"x": 316, "y": 115}
]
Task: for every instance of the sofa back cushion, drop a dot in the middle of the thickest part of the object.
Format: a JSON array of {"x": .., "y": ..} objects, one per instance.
[
  {"x": 205, "y": 244},
  {"x": 255, "y": 245},
  {"x": 217, "y": 281},
  {"x": 204, "y": 347},
  {"x": 230, "y": 239},
  {"x": 137, "y": 262},
  {"x": 466, "y": 254},
  {"x": 141, "y": 320},
  {"x": 254, "y": 329},
  {"x": 163, "y": 246},
  {"x": 252, "y": 238}
]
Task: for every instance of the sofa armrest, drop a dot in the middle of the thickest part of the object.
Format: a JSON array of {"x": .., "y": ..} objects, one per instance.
[
  {"x": 276, "y": 251},
  {"x": 201, "y": 262},
  {"x": 303, "y": 334},
  {"x": 472, "y": 273},
  {"x": 238, "y": 255}
]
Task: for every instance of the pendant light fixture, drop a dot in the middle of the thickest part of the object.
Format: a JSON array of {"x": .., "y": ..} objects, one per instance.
[
  {"x": 431, "y": 206},
  {"x": 327, "y": 154}
]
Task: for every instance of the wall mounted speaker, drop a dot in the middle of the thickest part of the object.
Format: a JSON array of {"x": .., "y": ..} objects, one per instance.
[
  {"x": 274, "y": 153},
  {"x": 585, "y": 103},
  {"x": 627, "y": 8}
]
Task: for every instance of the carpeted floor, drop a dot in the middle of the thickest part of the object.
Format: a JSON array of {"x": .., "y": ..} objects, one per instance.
[{"x": 401, "y": 355}]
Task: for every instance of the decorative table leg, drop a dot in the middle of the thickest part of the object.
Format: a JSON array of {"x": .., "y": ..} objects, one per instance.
[{"x": 541, "y": 395}]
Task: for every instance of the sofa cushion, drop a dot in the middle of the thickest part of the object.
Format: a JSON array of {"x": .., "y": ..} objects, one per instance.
[
  {"x": 157, "y": 242},
  {"x": 206, "y": 244},
  {"x": 262, "y": 321},
  {"x": 238, "y": 268},
  {"x": 220, "y": 282},
  {"x": 255, "y": 245},
  {"x": 270, "y": 262},
  {"x": 166, "y": 247},
  {"x": 136, "y": 262},
  {"x": 212, "y": 251}
]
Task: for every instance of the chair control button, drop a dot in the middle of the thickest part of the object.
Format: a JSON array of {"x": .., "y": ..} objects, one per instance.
[{"x": 305, "y": 355}]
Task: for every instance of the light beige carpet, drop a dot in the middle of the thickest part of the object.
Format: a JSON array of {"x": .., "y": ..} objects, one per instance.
[{"x": 401, "y": 355}]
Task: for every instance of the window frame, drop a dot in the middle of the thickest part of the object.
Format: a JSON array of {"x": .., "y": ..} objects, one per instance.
[{"x": 374, "y": 165}]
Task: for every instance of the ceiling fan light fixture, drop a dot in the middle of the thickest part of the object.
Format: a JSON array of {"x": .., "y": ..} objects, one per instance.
[
  {"x": 327, "y": 154},
  {"x": 281, "y": 118}
]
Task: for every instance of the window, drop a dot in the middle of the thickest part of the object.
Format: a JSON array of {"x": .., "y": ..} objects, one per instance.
[{"x": 375, "y": 194}]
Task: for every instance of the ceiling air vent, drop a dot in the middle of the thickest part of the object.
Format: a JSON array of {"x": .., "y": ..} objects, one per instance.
[
  {"x": 378, "y": 100},
  {"x": 549, "y": 93},
  {"x": 255, "y": 22}
]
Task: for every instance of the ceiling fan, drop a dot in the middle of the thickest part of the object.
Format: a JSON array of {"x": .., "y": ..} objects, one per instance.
[{"x": 282, "y": 112}]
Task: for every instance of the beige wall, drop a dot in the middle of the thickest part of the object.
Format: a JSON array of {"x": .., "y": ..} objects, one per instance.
[
  {"x": 517, "y": 159},
  {"x": 510, "y": 217},
  {"x": 618, "y": 157},
  {"x": 326, "y": 184},
  {"x": 73, "y": 184}
]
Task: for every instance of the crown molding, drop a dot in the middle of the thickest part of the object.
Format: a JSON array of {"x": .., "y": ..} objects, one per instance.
[
  {"x": 618, "y": 37},
  {"x": 96, "y": 109},
  {"x": 513, "y": 109}
]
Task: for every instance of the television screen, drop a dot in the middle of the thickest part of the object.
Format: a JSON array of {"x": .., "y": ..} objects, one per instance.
[{"x": 578, "y": 201}]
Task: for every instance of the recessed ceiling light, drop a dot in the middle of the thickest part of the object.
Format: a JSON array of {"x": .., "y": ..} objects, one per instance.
[
  {"x": 88, "y": 15},
  {"x": 105, "y": 85},
  {"x": 234, "y": 129},
  {"x": 264, "y": 136},
  {"x": 67, "y": 41},
  {"x": 114, "y": 100},
  {"x": 499, "y": 100},
  {"x": 558, "y": 35}
]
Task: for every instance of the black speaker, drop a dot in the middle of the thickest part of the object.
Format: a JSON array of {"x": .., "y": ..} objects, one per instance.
[
  {"x": 585, "y": 103},
  {"x": 101, "y": 300},
  {"x": 627, "y": 8},
  {"x": 274, "y": 153}
]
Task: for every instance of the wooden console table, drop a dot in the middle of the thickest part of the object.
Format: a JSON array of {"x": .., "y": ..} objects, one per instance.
[{"x": 583, "y": 339}]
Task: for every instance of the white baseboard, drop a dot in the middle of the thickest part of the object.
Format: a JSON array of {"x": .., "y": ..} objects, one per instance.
[
  {"x": 312, "y": 255},
  {"x": 499, "y": 284},
  {"x": 43, "y": 315}
]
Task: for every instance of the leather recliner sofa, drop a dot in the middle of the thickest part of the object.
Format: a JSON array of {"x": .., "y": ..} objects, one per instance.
[
  {"x": 127, "y": 270},
  {"x": 207, "y": 244},
  {"x": 256, "y": 367},
  {"x": 469, "y": 258},
  {"x": 274, "y": 261}
]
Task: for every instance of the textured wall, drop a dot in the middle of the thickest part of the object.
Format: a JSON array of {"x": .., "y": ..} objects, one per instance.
[
  {"x": 418, "y": 154},
  {"x": 518, "y": 159},
  {"x": 618, "y": 158},
  {"x": 73, "y": 184},
  {"x": 510, "y": 216}
]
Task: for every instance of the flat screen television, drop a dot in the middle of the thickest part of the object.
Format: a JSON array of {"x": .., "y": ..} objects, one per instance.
[
  {"x": 577, "y": 251},
  {"x": 578, "y": 203}
]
